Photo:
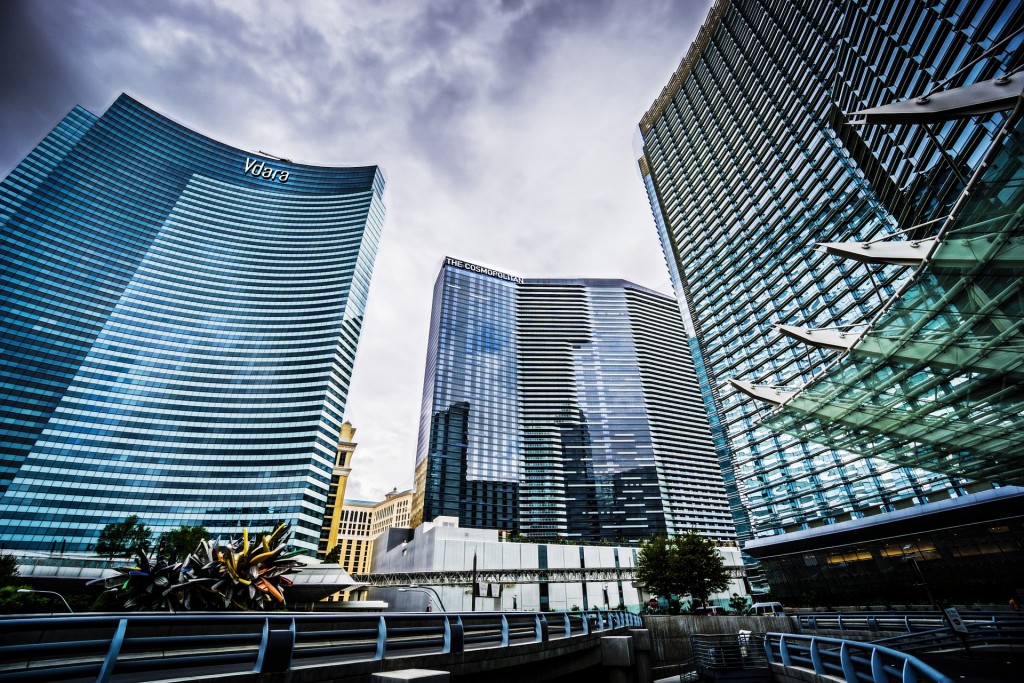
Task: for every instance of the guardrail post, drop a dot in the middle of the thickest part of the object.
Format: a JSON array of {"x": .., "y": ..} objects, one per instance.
[
  {"x": 909, "y": 675},
  {"x": 839, "y": 618},
  {"x": 276, "y": 648},
  {"x": 504, "y": 631},
  {"x": 600, "y": 621},
  {"x": 816, "y": 658},
  {"x": 846, "y": 662},
  {"x": 768, "y": 654},
  {"x": 877, "y": 670},
  {"x": 586, "y": 622},
  {"x": 454, "y": 636},
  {"x": 382, "y": 638},
  {"x": 112, "y": 652},
  {"x": 784, "y": 651},
  {"x": 568, "y": 625},
  {"x": 540, "y": 628}
]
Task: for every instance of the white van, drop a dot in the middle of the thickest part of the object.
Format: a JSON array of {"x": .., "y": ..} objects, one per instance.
[{"x": 770, "y": 609}]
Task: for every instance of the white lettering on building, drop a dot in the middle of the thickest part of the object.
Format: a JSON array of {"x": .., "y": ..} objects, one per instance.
[
  {"x": 472, "y": 267},
  {"x": 260, "y": 169}
]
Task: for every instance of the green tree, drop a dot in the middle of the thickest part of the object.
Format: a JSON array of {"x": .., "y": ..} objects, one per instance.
[
  {"x": 120, "y": 538},
  {"x": 333, "y": 555},
  {"x": 8, "y": 569},
  {"x": 738, "y": 603},
  {"x": 681, "y": 565},
  {"x": 11, "y": 601},
  {"x": 183, "y": 540}
]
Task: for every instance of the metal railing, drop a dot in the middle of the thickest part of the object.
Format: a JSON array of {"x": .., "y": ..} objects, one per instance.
[
  {"x": 718, "y": 652},
  {"x": 108, "y": 647},
  {"x": 907, "y": 622},
  {"x": 849, "y": 660},
  {"x": 1003, "y": 632}
]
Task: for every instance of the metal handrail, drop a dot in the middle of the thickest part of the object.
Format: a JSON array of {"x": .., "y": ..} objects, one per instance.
[
  {"x": 908, "y": 622},
  {"x": 100, "y": 646},
  {"x": 849, "y": 660}
]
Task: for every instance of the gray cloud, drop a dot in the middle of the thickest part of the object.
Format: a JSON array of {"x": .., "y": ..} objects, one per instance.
[{"x": 35, "y": 83}]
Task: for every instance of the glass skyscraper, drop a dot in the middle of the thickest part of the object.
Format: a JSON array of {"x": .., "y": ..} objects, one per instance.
[
  {"x": 179, "y": 325},
  {"x": 751, "y": 159},
  {"x": 563, "y": 408}
]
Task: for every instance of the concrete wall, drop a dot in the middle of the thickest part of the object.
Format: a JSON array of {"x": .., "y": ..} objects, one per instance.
[{"x": 670, "y": 635}]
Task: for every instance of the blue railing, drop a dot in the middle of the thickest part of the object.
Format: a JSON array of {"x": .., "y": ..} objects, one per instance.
[
  {"x": 105, "y": 647},
  {"x": 849, "y": 660},
  {"x": 900, "y": 621}
]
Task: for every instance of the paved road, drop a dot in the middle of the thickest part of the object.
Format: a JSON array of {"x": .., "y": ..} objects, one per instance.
[{"x": 982, "y": 667}]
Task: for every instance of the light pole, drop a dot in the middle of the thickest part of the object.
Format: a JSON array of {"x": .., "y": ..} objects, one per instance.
[
  {"x": 431, "y": 593},
  {"x": 607, "y": 605},
  {"x": 32, "y": 590},
  {"x": 912, "y": 558}
]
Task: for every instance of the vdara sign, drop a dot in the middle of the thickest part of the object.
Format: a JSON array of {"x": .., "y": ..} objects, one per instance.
[
  {"x": 260, "y": 169},
  {"x": 472, "y": 267}
]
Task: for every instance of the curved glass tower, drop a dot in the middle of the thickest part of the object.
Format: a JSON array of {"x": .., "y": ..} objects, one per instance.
[
  {"x": 179, "y": 322},
  {"x": 752, "y": 157}
]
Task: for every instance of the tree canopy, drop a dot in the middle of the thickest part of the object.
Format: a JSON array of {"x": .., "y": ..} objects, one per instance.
[
  {"x": 121, "y": 538},
  {"x": 183, "y": 540},
  {"x": 8, "y": 569},
  {"x": 333, "y": 555},
  {"x": 681, "y": 565}
]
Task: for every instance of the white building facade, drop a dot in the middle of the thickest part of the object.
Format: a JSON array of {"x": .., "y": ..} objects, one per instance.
[{"x": 438, "y": 557}]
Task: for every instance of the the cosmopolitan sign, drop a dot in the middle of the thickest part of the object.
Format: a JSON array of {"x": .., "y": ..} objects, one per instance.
[
  {"x": 260, "y": 169},
  {"x": 449, "y": 261}
]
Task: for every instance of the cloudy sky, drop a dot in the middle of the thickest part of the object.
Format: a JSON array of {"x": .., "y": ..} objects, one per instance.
[{"x": 506, "y": 130}]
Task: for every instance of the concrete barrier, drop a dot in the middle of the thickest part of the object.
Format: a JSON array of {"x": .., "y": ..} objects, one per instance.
[
  {"x": 670, "y": 635},
  {"x": 642, "y": 645}
]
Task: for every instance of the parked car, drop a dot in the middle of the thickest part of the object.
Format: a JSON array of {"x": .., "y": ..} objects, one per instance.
[
  {"x": 711, "y": 610},
  {"x": 771, "y": 609}
]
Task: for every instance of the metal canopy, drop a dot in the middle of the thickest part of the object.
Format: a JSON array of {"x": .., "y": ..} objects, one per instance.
[
  {"x": 935, "y": 379},
  {"x": 897, "y": 253},
  {"x": 986, "y": 97}
]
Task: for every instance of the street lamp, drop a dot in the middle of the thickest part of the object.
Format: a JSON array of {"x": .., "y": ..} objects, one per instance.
[
  {"x": 32, "y": 590},
  {"x": 912, "y": 558},
  {"x": 946, "y": 619},
  {"x": 429, "y": 591},
  {"x": 607, "y": 604}
]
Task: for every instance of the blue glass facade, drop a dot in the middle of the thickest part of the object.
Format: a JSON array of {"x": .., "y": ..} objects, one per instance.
[
  {"x": 751, "y": 160},
  {"x": 467, "y": 462},
  {"x": 554, "y": 408},
  {"x": 179, "y": 324}
]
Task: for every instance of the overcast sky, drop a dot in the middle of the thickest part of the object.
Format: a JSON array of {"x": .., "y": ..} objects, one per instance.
[{"x": 506, "y": 131}]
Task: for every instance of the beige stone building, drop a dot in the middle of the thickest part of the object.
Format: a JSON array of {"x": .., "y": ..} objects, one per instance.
[
  {"x": 336, "y": 494},
  {"x": 362, "y": 521}
]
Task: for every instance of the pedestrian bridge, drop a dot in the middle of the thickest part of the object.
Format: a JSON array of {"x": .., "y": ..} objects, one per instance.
[
  {"x": 496, "y": 646},
  {"x": 304, "y": 648}
]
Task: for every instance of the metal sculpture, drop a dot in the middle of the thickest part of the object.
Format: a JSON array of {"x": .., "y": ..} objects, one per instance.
[{"x": 236, "y": 574}]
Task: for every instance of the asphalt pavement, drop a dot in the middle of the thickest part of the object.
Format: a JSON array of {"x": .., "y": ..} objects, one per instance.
[{"x": 981, "y": 667}]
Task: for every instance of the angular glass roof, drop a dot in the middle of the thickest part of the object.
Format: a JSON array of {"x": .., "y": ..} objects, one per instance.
[{"x": 935, "y": 379}]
